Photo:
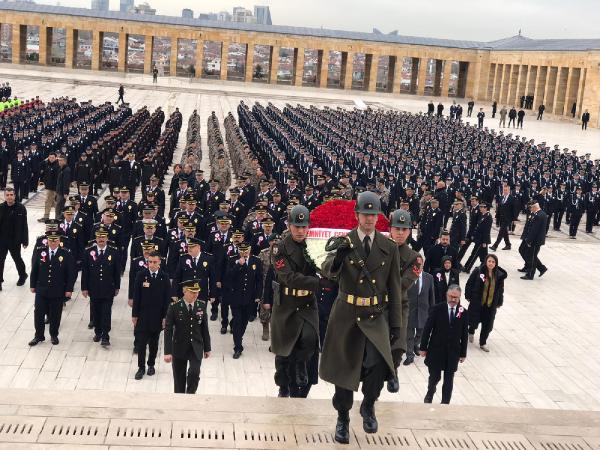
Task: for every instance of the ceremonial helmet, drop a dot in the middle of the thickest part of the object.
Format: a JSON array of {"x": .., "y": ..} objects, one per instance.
[
  {"x": 368, "y": 203},
  {"x": 401, "y": 219},
  {"x": 299, "y": 216}
]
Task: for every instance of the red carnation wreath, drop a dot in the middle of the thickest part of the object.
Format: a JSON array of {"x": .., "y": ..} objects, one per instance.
[{"x": 339, "y": 214}]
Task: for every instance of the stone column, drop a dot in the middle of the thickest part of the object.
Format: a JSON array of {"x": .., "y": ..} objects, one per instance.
[
  {"x": 173, "y": 56},
  {"x": 522, "y": 83},
  {"x": 531, "y": 77},
  {"x": 437, "y": 78},
  {"x": 346, "y": 70},
  {"x": 19, "y": 41},
  {"x": 582, "y": 94},
  {"x": 274, "y": 63},
  {"x": 372, "y": 86},
  {"x": 467, "y": 81},
  {"x": 390, "y": 74},
  {"x": 550, "y": 92},
  {"x": 224, "y": 59},
  {"x": 497, "y": 81},
  {"x": 324, "y": 68},
  {"x": 397, "y": 81},
  {"x": 562, "y": 82},
  {"x": 423, "y": 63},
  {"x": 97, "y": 40},
  {"x": 70, "y": 47},
  {"x": 298, "y": 66},
  {"x": 540, "y": 86},
  {"x": 123, "y": 42},
  {"x": 505, "y": 83},
  {"x": 148, "y": 48},
  {"x": 199, "y": 58},
  {"x": 446, "y": 79},
  {"x": 512, "y": 84},
  {"x": 414, "y": 75},
  {"x": 44, "y": 48},
  {"x": 249, "y": 62},
  {"x": 572, "y": 83}
]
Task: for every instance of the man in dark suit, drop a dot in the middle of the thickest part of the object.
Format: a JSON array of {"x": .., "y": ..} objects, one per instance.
[
  {"x": 420, "y": 299},
  {"x": 243, "y": 292},
  {"x": 196, "y": 265},
  {"x": 101, "y": 281},
  {"x": 187, "y": 339},
  {"x": 63, "y": 183},
  {"x": 14, "y": 234},
  {"x": 435, "y": 254},
  {"x": 52, "y": 278},
  {"x": 481, "y": 236},
  {"x": 444, "y": 343},
  {"x": 535, "y": 238},
  {"x": 506, "y": 215},
  {"x": 151, "y": 295}
]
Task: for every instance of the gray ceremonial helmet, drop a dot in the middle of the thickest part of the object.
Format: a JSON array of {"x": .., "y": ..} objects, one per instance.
[
  {"x": 299, "y": 216},
  {"x": 401, "y": 219},
  {"x": 368, "y": 203}
]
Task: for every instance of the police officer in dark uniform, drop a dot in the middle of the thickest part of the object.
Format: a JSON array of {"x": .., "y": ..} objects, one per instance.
[
  {"x": 295, "y": 318},
  {"x": 187, "y": 339},
  {"x": 53, "y": 275},
  {"x": 151, "y": 298},
  {"x": 137, "y": 265},
  {"x": 368, "y": 318},
  {"x": 199, "y": 265},
  {"x": 243, "y": 291},
  {"x": 481, "y": 236},
  {"x": 101, "y": 281},
  {"x": 533, "y": 240}
]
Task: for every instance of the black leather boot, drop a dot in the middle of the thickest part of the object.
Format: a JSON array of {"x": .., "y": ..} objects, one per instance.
[
  {"x": 342, "y": 428},
  {"x": 367, "y": 411}
]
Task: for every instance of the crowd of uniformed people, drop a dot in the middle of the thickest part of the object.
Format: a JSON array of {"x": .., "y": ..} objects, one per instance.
[{"x": 235, "y": 253}]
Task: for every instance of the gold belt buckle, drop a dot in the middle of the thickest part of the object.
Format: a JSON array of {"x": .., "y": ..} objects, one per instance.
[{"x": 350, "y": 298}]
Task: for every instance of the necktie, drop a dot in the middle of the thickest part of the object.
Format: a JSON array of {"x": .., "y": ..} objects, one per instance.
[
  {"x": 451, "y": 314},
  {"x": 367, "y": 245},
  {"x": 154, "y": 276},
  {"x": 101, "y": 253},
  {"x": 190, "y": 308},
  {"x": 51, "y": 255}
]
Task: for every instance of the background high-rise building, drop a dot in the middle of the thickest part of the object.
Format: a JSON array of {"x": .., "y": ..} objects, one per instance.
[
  {"x": 263, "y": 15},
  {"x": 100, "y": 5},
  {"x": 187, "y": 13},
  {"x": 144, "y": 8},
  {"x": 125, "y": 5},
  {"x": 242, "y": 15}
]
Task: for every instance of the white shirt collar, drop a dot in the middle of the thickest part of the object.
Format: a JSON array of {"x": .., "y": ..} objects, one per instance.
[{"x": 361, "y": 235}]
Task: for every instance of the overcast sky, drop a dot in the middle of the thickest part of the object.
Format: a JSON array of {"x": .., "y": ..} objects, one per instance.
[{"x": 481, "y": 20}]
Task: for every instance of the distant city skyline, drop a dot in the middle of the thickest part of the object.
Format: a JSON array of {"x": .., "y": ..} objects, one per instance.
[{"x": 459, "y": 19}]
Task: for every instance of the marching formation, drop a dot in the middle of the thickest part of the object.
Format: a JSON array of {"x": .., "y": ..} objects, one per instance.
[{"x": 236, "y": 251}]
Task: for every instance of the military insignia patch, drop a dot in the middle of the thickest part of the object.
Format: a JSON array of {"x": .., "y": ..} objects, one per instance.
[
  {"x": 253, "y": 266},
  {"x": 275, "y": 250},
  {"x": 60, "y": 258},
  {"x": 109, "y": 257},
  {"x": 205, "y": 264}
]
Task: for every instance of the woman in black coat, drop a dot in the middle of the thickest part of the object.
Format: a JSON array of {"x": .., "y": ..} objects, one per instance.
[
  {"x": 444, "y": 277},
  {"x": 485, "y": 292}
]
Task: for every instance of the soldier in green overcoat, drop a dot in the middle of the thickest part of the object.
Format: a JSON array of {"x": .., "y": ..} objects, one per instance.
[
  {"x": 400, "y": 232},
  {"x": 294, "y": 317},
  {"x": 368, "y": 317}
]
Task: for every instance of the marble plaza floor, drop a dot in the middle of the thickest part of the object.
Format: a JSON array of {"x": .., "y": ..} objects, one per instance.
[{"x": 544, "y": 348}]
